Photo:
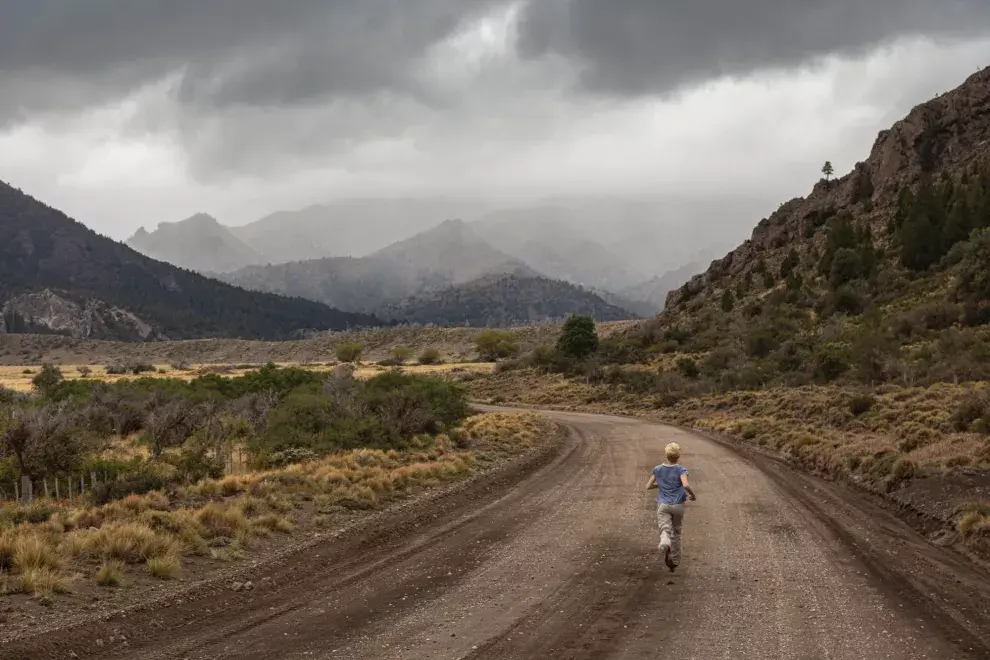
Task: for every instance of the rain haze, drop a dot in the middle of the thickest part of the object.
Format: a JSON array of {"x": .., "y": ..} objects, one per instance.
[{"x": 127, "y": 113}]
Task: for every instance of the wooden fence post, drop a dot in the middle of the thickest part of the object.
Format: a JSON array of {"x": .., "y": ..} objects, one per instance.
[
  {"x": 57, "y": 495},
  {"x": 82, "y": 485},
  {"x": 27, "y": 489},
  {"x": 17, "y": 492},
  {"x": 92, "y": 480},
  {"x": 47, "y": 496}
]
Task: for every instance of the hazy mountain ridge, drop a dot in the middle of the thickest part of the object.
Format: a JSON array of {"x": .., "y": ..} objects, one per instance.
[
  {"x": 544, "y": 239},
  {"x": 42, "y": 250},
  {"x": 349, "y": 228},
  {"x": 505, "y": 300},
  {"x": 446, "y": 275},
  {"x": 199, "y": 243},
  {"x": 444, "y": 256},
  {"x": 351, "y": 284}
]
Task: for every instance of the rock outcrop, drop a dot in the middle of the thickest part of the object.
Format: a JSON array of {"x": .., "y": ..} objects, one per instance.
[
  {"x": 50, "y": 312},
  {"x": 948, "y": 134}
]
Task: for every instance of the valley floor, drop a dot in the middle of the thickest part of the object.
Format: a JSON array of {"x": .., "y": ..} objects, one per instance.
[{"x": 562, "y": 563}]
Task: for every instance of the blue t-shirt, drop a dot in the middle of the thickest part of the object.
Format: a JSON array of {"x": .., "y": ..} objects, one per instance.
[{"x": 669, "y": 481}]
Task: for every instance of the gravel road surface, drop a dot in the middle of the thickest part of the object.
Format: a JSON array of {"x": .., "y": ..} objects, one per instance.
[{"x": 562, "y": 563}]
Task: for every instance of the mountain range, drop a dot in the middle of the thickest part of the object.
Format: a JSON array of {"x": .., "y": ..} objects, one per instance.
[
  {"x": 57, "y": 276},
  {"x": 426, "y": 278},
  {"x": 302, "y": 253}
]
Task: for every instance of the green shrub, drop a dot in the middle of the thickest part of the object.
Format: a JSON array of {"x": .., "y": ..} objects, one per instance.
[
  {"x": 861, "y": 404},
  {"x": 831, "y": 363},
  {"x": 903, "y": 468},
  {"x": 494, "y": 345},
  {"x": 688, "y": 368},
  {"x": 349, "y": 352},
  {"x": 47, "y": 380},
  {"x": 430, "y": 356},
  {"x": 133, "y": 484},
  {"x": 975, "y": 406}
]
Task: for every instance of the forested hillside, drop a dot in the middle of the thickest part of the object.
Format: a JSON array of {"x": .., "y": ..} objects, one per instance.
[{"x": 505, "y": 300}]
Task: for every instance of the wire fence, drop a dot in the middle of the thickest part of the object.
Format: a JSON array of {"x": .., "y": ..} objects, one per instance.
[
  {"x": 68, "y": 487},
  {"x": 76, "y": 487}
]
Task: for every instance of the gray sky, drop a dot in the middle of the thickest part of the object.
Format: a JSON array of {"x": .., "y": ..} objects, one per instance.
[{"x": 130, "y": 112}]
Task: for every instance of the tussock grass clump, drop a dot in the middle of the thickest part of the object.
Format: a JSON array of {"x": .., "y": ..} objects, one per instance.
[
  {"x": 31, "y": 552},
  {"x": 7, "y": 541},
  {"x": 974, "y": 521},
  {"x": 218, "y": 520},
  {"x": 323, "y": 521},
  {"x": 130, "y": 542},
  {"x": 43, "y": 582},
  {"x": 110, "y": 573},
  {"x": 272, "y": 523},
  {"x": 165, "y": 567}
]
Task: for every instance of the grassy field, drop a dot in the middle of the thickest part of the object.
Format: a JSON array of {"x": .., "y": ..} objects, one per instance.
[
  {"x": 52, "y": 548},
  {"x": 454, "y": 345},
  {"x": 18, "y": 377}
]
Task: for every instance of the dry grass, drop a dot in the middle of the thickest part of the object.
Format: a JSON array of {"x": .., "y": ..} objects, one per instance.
[
  {"x": 110, "y": 573},
  {"x": 16, "y": 378},
  {"x": 43, "y": 582},
  {"x": 903, "y": 431},
  {"x": 165, "y": 567},
  {"x": 31, "y": 552},
  {"x": 39, "y": 544},
  {"x": 454, "y": 344}
]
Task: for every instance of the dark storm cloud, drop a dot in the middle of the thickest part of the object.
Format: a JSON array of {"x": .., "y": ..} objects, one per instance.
[
  {"x": 648, "y": 46},
  {"x": 64, "y": 54}
]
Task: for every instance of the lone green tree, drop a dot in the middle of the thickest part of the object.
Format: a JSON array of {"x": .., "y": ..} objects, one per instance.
[
  {"x": 578, "y": 338},
  {"x": 828, "y": 170}
]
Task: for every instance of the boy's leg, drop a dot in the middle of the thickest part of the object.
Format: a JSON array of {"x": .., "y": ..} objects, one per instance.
[
  {"x": 666, "y": 526},
  {"x": 676, "y": 520}
]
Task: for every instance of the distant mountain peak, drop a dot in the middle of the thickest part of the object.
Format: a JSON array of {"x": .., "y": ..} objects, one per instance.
[{"x": 199, "y": 243}]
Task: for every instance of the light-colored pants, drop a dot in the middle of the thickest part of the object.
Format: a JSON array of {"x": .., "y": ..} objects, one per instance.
[{"x": 669, "y": 519}]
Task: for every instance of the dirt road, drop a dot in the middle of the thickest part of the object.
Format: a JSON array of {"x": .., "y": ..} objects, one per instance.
[{"x": 561, "y": 563}]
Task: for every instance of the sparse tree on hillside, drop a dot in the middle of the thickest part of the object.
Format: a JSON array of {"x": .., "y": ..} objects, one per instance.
[
  {"x": 728, "y": 301},
  {"x": 578, "y": 338},
  {"x": 828, "y": 170},
  {"x": 790, "y": 262},
  {"x": 401, "y": 354}
]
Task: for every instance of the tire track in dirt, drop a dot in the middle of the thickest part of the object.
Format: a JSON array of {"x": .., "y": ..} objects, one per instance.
[{"x": 562, "y": 564}]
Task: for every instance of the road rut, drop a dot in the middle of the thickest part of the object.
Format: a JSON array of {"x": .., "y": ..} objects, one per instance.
[{"x": 563, "y": 564}]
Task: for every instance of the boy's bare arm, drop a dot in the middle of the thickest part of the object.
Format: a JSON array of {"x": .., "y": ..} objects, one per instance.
[
  {"x": 684, "y": 482},
  {"x": 652, "y": 483}
]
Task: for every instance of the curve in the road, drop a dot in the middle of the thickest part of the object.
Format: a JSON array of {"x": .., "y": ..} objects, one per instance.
[{"x": 562, "y": 564}]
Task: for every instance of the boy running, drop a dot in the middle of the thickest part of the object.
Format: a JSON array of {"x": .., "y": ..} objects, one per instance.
[{"x": 672, "y": 481}]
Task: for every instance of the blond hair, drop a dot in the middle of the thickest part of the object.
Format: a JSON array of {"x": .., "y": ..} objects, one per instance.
[{"x": 673, "y": 452}]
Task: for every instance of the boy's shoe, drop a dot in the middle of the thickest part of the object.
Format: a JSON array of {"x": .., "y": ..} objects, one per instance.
[{"x": 666, "y": 558}]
